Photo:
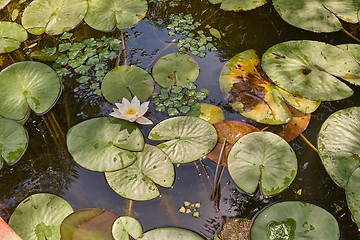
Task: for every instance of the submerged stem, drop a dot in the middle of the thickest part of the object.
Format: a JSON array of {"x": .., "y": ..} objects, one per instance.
[
  {"x": 216, "y": 179},
  {"x": 308, "y": 143},
  {"x": 123, "y": 46},
  {"x": 130, "y": 207},
  {"x": 350, "y": 35}
]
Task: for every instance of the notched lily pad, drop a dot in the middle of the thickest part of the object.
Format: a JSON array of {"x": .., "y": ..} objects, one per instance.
[
  {"x": 104, "y": 144},
  {"x": 125, "y": 82},
  {"x": 175, "y": 68},
  {"x": 295, "y": 220},
  {"x": 339, "y": 144},
  {"x": 39, "y": 217},
  {"x": 262, "y": 157},
  {"x": 311, "y": 69},
  {"x": 13, "y": 141},
  {"x": 187, "y": 138},
  {"x": 125, "y": 226},
  {"x": 106, "y": 15},
  {"x": 138, "y": 181},
  {"x": 239, "y": 5},
  {"x": 33, "y": 85},
  {"x": 52, "y": 16},
  {"x": 11, "y": 36}
]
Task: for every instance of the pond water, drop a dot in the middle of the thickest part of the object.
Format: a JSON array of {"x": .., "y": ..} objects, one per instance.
[{"x": 48, "y": 167}]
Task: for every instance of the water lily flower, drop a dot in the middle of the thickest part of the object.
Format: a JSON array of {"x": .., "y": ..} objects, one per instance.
[{"x": 132, "y": 111}]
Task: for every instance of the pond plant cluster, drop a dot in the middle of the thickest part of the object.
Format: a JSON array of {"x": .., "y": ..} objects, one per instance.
[{"x": 278, "y": 90}]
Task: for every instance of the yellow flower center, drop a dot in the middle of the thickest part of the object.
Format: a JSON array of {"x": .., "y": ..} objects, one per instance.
[{"x": 131, "y": 111}]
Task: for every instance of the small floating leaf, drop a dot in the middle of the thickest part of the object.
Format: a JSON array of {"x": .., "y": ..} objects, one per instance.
[
  {"x": 125, "y": 226},
  {"x": 39, "y": 217},
  {"x": 87, "y": 224},
  {"x": 211, "y": 113},
  {"x": 175, "y": 68},
  {"x": 11, "y": 36},
  {"x": 173, "y": 233},
  {"x": 339, "y": 144},
  {"x": 106, "y": 15},
  {"x": 33, "y": 86},
  {"x": 125, "y": 82},
  {"x": 262, "y": 157},
  {"x": 53, "y": 17},
  {"x": 293, "y": 220},
  {"x": 215, "y": 33},
  {"x": 189, "y": 138},
  {"x": 138, "y": 180},
  {"x": 239, "y": 5},
  {"x": 13, "y": 141},
  {"x": 104, "y": 144}
]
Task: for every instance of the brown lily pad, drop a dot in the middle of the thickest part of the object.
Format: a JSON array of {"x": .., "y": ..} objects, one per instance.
[{"x": 236, "y": 229}]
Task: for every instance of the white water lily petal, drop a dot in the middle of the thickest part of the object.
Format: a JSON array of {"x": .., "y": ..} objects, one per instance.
[
  {"x": 143, "y": 108},
  {"x": 144, "y": 121},
  {"x": 135, "y": 102},
  {"x": 125, "y": 102},
  {"x": 116, "y": 114}
]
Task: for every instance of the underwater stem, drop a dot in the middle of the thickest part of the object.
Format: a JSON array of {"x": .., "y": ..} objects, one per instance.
[
  {"x": 308, "y": 143},
  {"x": 123, "y": 46},
  {"x": 350, "y": 35},
  {"x": 216, "y": 179},
  {"x": 130, "y": 207}
]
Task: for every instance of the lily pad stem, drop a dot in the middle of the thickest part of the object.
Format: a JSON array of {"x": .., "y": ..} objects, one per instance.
[
  {"x": 123, "y": 46},
  {"x": 308, "y": 143},
  {"x": 350, "y": 35},
  {"x": 130, "y": 207},
  {"x": 216, "y": 179}
]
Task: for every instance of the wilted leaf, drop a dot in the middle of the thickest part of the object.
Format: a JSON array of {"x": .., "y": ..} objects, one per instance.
[{"x": 236, "y": 229}]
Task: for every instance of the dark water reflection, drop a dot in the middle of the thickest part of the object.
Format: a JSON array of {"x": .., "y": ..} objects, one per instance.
[{"x": 47, "y": 166}]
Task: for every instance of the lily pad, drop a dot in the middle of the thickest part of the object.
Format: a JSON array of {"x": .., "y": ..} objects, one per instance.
[
  {"x": 236, "y": 229},
  {"x": 189, "y": 138},
  {"x": 33, "y": 85},
  {"x": 173, "y": 233},
  {"x": 262, "y": 157},
  {"x": 105, "y": 15},
  {"x": 87, "y": 224},
  {"x": 13, "y": 141},
  {"x": 352, "y": 49},
  {"x": 295, "y": 220},
  {"x": 175, "y": 68},
  {"x": 138, "y": 181},
  {"x": 309, "y": 69},
  {"x": 52, "y": 16},
  {"x": 11, "y": 36},
  {"x": 104, "y": 144},
  {"x": 125, "y": 81},
  {"x": 239, "y": 5},
  {"x": 39, "y": 217},
  {"x": 125, "y": 226},
  {"x": 3, "y": 3},
  {"x": 318, "y": 15},
  {"x": 211, "y": 113},
  {"x": 353, "y": 195},
  {"x": 339, "y": 144}
]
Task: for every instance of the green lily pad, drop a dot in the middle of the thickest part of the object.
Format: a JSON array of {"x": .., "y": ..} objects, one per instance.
[
  {"x": 105, "y": 15},
  {"x": 352, "y": 49},
  {"x": 262, "y": 157},
  {"x": 3, "y": 3},
  {"x": 88, "y": 224},
  {"x": 175, "y": 68},
  {"x": 53, "y": 17},
  {"x": 13, "y": 141},
  {"x": 11, "y": 36},
  {"x": 339, "y": 144},
  {"x": 309, "y": 69},
  {"x": 137, "y": 181},
  {"x": 353, "y": 195},
  {"x": 173, "y": 233},
  {"x": 295, "y": 220},
  {"x": 104, "y": 144},
  {"x": 39, "y": 217},
  {"x": 125, "y": 81},
  {"x": 125, "y": 226},
  {"x": 189, "y": 138},
  {"x": 211, "y": 113},
  {"x": 318, "y": 15},
  {"x": 239, "y": 5},
  {"x": 33, "y": 85}
]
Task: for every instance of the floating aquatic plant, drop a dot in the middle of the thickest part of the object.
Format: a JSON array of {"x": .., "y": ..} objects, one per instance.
[
  {"x": 238, "y": 5},
  {"x": 11, "y": 36}
]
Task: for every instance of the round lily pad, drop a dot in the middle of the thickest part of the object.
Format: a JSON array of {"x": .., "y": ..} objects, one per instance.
[
  {"x": 52, "y": 16},
  {"x": 11, "y": 36},
  {"x": 104, "y": 144},
  {"x": 295, "y": 220},
  {"x": 105, "y": 15},
  {"x": 353, "y": 195},
  {"x": 33, "y": 85},
  {"x": 13, "y": 141},
  {"x": 125, "y": 226},
  {"x": 318, "y": 15},
  {"x": 189, "y": 138},
  {"x": 125, "y": 82},
  {"x": 175, "y": 68},
  {"x": 173, "y": 233},
  {"x": 262, "y": 157},
  {"x": 309, "y": 69},
  {"x": 239, "y": 5},
  {"x": 39, "y": 217},
  {"x": 138, "y": 181},
  {"x": 339, "y": 144}
]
